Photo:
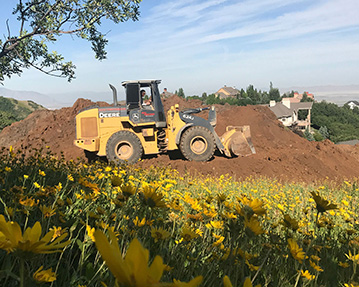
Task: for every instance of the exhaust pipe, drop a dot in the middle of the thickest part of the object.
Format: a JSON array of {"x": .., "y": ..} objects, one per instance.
[{"x": 114, "y": 91}]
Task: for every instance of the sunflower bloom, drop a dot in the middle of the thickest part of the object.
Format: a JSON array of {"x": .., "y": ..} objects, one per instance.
[
  {"x": 188, "y": 234},
  {"x": 133, "y": 270},
  {"x": 252, "y": 206},
  {"x": 289, "y": 222},
  {"x": 254, "y": 225},
  {"x": 322, "y": 205},
  {"x": 297, "y": 253},
  {"x": 193, "y": 283},
  {"x": 44, "y": 275},
  {"x": 11, "y": 238},
  {"x": 159, "y": 233},
  {"x": 227, "y": 282},
  {"x": 151, "y": 197}
]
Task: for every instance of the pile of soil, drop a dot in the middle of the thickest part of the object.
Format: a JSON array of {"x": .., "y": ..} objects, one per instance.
[{"x": 280, "y": 153}]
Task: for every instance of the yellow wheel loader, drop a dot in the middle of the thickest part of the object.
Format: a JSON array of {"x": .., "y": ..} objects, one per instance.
[{"x": 123, "y": 133}]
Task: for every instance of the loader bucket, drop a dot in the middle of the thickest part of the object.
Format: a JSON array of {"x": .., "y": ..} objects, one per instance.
[{"x": 237, "y": 141}]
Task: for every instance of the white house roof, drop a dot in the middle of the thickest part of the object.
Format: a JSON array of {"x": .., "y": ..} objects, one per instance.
[{"x": 281, "y": 110}]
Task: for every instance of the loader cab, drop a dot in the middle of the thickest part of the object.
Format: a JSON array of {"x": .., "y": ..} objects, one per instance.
[{"x": 139, "y": 112}]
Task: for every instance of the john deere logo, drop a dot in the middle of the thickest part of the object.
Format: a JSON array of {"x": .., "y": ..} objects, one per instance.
[{"x": 135, "y": 117}]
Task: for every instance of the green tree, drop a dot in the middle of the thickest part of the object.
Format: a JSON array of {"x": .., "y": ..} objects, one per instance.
[
  {"x": 181, "y": 93},
  {"x": 323, "y": 130},
  {"x": 306, "y": 98},
  {"x": 43, "y": 21},
  {"x": 308, "y": 135},
  {"x": 274, "y": 94}
]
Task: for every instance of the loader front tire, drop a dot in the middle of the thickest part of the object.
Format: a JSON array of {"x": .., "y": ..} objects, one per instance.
[
  {"x": 197, "y": 144},
  {"x": 124, "y": 147}
]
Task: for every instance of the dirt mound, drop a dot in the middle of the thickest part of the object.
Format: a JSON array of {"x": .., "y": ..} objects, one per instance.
[
  {"x": 280, "y": 153},
  {"x": 53, "y": 128}
]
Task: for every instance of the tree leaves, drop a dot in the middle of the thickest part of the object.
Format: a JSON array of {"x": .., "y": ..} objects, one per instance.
[{"x": 43, "y": 21}]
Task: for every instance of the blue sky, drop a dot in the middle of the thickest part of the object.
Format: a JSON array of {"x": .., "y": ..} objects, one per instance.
[{"x": 203, "y": 45}]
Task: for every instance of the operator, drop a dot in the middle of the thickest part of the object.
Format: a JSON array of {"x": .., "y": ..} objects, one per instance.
[{"x": 146, "y": 103}]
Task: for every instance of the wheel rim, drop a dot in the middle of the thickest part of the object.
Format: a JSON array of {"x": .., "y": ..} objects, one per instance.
[
  {"x": 198, "y": 145},
  {"x": 124, "y": 150}
]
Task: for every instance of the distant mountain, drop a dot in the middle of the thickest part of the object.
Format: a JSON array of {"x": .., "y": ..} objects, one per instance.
[
  {"x": 59, "y": 100},
  {"x": 12, "y": 110},
  {"x": 332, "y": 94},
  {"x": 41, "y": 99}
]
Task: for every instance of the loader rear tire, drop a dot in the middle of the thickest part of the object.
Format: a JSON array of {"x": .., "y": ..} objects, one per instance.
[
  {"x": 124, "y": 147},
  {"x": 197, "y": 144}
]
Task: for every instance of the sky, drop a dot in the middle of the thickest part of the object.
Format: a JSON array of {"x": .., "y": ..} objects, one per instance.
[{"x": 201, "y": 46}]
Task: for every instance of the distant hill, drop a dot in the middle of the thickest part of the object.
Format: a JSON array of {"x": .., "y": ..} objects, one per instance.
[
  {"x": 41, "y": 99},
  {"x": 12, "y": 110},
  {"x": 59, "y": 100}
]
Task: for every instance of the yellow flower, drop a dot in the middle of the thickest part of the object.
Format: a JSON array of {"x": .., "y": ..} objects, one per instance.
[
  {"x": 159, "y": 233},
  {"x": 47, "y": 211},
  {"x": 227, "y": 282},
  {"x": 297, "y": 253},
  {"x": 42, "y": 173},
  {"x": 219, "y": 241},
  {"x": 290, "y": 222},
  {"x": 315, "y": 266},
  {"x": 254, "y": 206},
  {"x": 351, "y": 285},
  {"x": 11, "y": 238},
  {"x": 247, "y": 282},
  {"x": 128, "y": 189},
  {"x": 151, "y": 197},
  {"x": 138, "y": 222},
  {"x": 353, "y": 258},
  {"x": 44, "y": 275},
  {"x": 216, "y": 224},
  {"x": 343, "y": 264},
  {"x": 90, "y": 232},
  {"x": 116, "y": 181},
  {"x": 322, "y": 205},
  {"x": 57, "y": 232},
  {"x": 70, "y": 177},
  {"x": 8, "y": 169},
  {"x": 193, "y": 283},
  {"x": 28, "y": 202},
  {"x": 307, "y": 275},
  {"x": 254, "y": 225},
  {"x": 251, "y": 266},
  {"x": 133, "y": 270},
  {"x": 188, "y": 234}
]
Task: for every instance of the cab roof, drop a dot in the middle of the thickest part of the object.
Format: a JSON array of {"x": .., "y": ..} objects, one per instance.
[{"x": 143, "y": 83}]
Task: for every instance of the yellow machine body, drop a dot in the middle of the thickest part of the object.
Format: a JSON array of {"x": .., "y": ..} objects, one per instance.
[{"x": 125, "y": 133}]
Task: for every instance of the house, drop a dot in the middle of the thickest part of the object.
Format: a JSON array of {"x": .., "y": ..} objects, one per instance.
[
  {"x": 287, "y": 112},
  {"x": 166, "y": 94},
  {"x": 352, "y": 104},
  {"x": 227, "y": 92},
  {"x": 298, "y": 97}
]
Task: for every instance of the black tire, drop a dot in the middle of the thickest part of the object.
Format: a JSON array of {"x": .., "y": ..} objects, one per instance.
[
  {"x": 124, "y": 147},
  {"x": 197, "y": 144}
]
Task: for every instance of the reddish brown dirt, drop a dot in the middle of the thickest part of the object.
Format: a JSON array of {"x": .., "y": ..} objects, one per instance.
[{"x": 281, "y": 154}]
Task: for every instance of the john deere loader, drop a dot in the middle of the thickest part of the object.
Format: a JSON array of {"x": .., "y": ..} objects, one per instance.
[{"x": 123, "y": 133}]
